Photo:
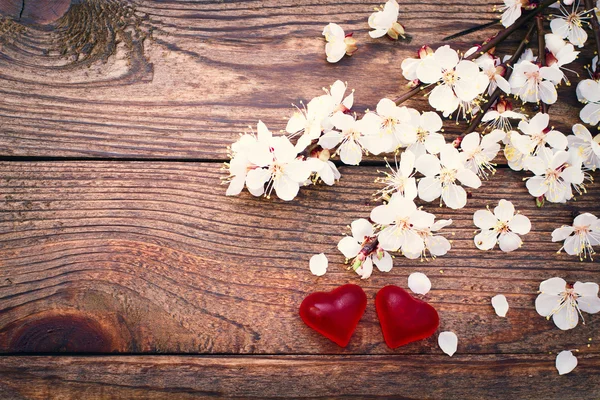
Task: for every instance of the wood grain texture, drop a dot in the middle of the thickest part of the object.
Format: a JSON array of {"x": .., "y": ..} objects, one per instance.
[
  {"x": 181, "y": 79},
  {"x": 400, "y": 377},
  {"x": 152, "y": 257}
]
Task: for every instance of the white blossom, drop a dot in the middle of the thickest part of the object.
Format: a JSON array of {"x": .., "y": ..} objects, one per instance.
[
  {"x": 458, "y": 80},
  {"x": 419, "y": 283},
  {"x": 569, "y": 25},
  {"x": 511, "y": 11},
  {"x": 318, "y": 264},
  {"x": 400, "y": 180},
  {"x": 350, "y": 135},
  {"x": 428, "y": 140},
  {"x": 492, "y": 68},
  {"x": 477, "y": 153},
  {"x": 499, "y": 116},
  {"x": 435, "y": 245},
  {"x": 278, "y": 167},
  {"x": 588, "y": 91},
  {"x": 586, "y": 146},
  {"x": 561, "y": 52},
  {"x": 502, "y": 226},
  {"x": 388, "y": 128},
  {"x": 515, "y": 158},
  {"x": 565, "y": 362},
  {"x": 533, "y": 84},
  {"x": 554, "y": 176},
  {"x": 357, "y": 247},
  {"x": 411, "y": 67},
  {"x": 579, "y": 238},
  {"x": 338, "y": 43},
  {"x": 448, "y": 342},
  {"x": 564, "y": 302},
  {"x": 536, "y": 135},
  {"x": 385, "y": 21},
  {"x": 323, "y": 167},
  {"x": 400, "y": 219},
  {"x": 441, "y": 177}
]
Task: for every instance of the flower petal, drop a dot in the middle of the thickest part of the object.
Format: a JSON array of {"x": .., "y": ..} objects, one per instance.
[
  {"x": 565, "y": 362},
  {"x": 349, "y": 247},
  {"x": 318, "y": 264},
  {"x": 500, "y": 305},
  {"x": 484, "y": 219},
  {"x": 448, "y": 342},
  {"x": 419, "y": 283},
  {"x": 520, "y": 224},
  {"x": 385, "y": 263},
  {"x": 504, "y": 211},
  {"x": 361, "y": 228}
]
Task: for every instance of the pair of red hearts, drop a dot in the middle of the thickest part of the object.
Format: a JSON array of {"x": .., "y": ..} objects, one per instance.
[{"x": 403, "y": 318}]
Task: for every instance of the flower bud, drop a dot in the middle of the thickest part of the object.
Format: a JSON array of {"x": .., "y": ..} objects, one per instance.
[{"x": 351, "y": 46}]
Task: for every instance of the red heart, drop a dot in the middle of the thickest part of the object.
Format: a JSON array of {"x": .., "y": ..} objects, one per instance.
[
  {"x": 403, "y": 318},
  {"x": 335, "y": 314}
]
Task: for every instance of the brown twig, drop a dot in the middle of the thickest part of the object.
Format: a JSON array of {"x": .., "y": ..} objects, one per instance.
[
  {"x": 539, "y": 22},
  {"x": 496, "y": 94}
]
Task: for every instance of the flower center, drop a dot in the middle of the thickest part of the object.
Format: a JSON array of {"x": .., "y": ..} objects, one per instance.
[
  {"x": 573, "y": 19},
  {"x": 277, "y": 170},
  {"x": 389, "y": 124},
  {"x": 535, "y": 76},
  {"x": 402, "y": 224},
  {"x": 449, "y": 77},
  {"x": 502, "y": 227},
  {"x": 352, "y": 135},
  {"x": 422, "y": 135},
  {"x": 447, "y": 176}
]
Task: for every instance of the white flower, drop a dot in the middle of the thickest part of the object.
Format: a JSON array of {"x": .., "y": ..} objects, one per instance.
[
  {"x": 278, "y": 167},
  {"x": 363, "y": 248},
  {"x": 561, "y": 52},
  {"x": 385, "y": 21},
  {"x": 435, "y": 245},
  {"x": 338, "y": 43},
  {"x": 411, "y": 66},
  {"x": 588, "y": 91},
  {"x": 239, "y": 165},
  {"x": 554, "y": 176},
  {"x": 586, "y": 146},
  {"x": 532, "y": 83},
  {"x": 511, "y": 12},
  {"x": 565, "y": 362},
  {"x": 502, "y": 226},
  {"x": 387, "y": 129},
  {"x": 499, "y": 116},
  {"x": 536, "y": 135},
  {"x": 428, "y": 140},
  {"x": 581, "y": 237},
  {"x": 401, "y": 180},
  {"x": 477, "y": 153},
  {"x": 448, "y": 342},
  {"x": 351, "y": 138},
  {"x": 494, "y": 71},
  {"x": 318, "y": 264},
  {"x": 324, "y": 169},
  {"x": 419, "y": 283},
  {"x": 569, "y": 25},
  {"x": 309, "y": 121},
  {"x": 460, "y": 80},
  {"x": 441, "y": 176},
  {"x": 500, "y": 305},
  {"x": 339, "y": 102},
  {"x": 399, "y": 219},
  {"x": 564, "y": 302}
]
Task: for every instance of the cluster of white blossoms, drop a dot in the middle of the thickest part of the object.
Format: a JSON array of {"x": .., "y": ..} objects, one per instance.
[{"x": 398, "y": 227}]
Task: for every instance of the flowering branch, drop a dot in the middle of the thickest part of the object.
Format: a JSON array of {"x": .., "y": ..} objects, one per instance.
[
  {"x": 589, "y": 4},
  {"x": 499, "y": 38},
  {"x": 503, "y": 34},
  {"x": 518, "y": 52}
]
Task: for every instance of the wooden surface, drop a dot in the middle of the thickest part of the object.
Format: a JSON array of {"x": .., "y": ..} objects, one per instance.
[{"x": 122, "y": 260}]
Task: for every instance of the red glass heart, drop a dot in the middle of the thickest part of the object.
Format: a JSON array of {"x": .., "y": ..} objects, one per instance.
[
  {"x": 403, "y": 318},
  {"x": 335, "y": 314}
]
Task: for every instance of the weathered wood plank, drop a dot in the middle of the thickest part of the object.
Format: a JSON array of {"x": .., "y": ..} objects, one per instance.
[
  {"x": 181, "y": 79},
  {"x": 401, "y": 377},
  {"x": 152, "y": 257}
]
